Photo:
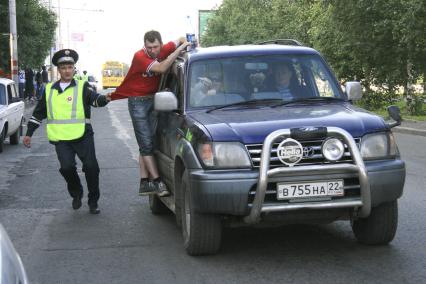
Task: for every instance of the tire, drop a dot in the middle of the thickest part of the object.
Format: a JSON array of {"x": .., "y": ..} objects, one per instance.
[
  {"x": 157, "y": 207},
  {"x": 380, "y": 227},
  {"x": 178, "y": 206},
  {"x": 14, "y": 138},
  {"x": 1, "y": 140},
  {"x": 202, "y": 233}
]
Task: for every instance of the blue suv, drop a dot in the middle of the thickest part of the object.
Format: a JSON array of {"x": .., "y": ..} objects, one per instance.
[{"x": 264, "y": 133}]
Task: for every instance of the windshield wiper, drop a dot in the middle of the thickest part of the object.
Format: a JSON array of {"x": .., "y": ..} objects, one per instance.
[
  {"x": 310, "y": 99},
  {"x": 249, "y": 102}
]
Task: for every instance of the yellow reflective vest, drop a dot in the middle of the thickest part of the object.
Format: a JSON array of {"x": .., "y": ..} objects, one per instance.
[{"x": 65, "y": 113}]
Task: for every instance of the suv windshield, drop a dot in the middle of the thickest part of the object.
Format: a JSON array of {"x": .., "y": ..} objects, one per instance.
[{"x": 288, "y": 78}]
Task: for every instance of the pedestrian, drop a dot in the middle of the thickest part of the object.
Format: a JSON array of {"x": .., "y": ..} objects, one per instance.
[
  {"x": 66, "y": 105},
  {"x": 39, "y": 85},
  {"x": 85, "y": 77},
  {"x": 139, "y": 86},
  {"x": 44, "y": 75},
  {"x": 21, "y": 83},
  {"x": 29, "y": 83}
]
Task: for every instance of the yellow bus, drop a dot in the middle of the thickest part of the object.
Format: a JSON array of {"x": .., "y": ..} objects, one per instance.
[{"x": 113, "y": 73}]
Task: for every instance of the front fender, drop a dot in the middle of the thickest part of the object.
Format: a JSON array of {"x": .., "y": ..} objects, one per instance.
[{"x": 186, "y": 153}]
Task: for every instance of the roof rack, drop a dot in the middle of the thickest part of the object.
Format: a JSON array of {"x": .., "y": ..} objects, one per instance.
[{"x": 285, "y": 41}]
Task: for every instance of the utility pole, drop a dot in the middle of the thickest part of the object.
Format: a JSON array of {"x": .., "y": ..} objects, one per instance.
[
  {"x": 51, "y": 69},
  {"x": 13, "y": 42}
]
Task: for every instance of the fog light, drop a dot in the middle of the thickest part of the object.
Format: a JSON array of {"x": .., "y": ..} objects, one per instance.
[{"x": 333, "y": 149}]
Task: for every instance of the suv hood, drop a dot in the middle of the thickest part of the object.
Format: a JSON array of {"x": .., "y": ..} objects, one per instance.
[{"x": 252, "y": 125}]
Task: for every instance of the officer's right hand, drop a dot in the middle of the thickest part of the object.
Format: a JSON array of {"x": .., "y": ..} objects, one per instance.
[{"x": 27, "y": 141}]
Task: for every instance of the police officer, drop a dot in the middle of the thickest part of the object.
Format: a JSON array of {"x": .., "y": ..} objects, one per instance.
[{"x": 66, "y": 105}]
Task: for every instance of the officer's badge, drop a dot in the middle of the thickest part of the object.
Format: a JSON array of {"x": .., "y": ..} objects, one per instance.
[{"x": 67, "y": 52}]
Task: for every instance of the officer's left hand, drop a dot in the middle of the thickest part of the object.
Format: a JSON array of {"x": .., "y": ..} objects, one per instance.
[{"x": 108, "y": 97}]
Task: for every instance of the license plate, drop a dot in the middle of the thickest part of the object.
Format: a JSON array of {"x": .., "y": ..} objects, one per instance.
[{"x": 309, "y": 189}]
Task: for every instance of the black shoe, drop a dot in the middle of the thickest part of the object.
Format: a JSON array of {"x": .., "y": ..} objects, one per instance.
[
  {"x": 146, "y": 187},
  {"x": 161, "y": 188},
  {"x": 76, "y": 203},
  {"x": 94, "y": 209}
]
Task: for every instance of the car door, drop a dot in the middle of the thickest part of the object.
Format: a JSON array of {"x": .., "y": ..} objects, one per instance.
[
  {"x": 14, "y": 107},
  {"x": 3, "y": 106},
  {"x": 169, "y": 124}
]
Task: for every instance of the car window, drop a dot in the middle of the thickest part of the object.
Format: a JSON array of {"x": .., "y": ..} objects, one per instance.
[
  {"x": 322, "y": 81},
  {"x": 285, "y": 77},
  {"x": 14, "y": 92},
  {"x": 2, "y": 95},
  {"x": 9, "y": 93}
]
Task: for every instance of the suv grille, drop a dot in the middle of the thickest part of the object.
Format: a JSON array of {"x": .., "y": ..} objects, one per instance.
[{"x": 312, "y": 154}]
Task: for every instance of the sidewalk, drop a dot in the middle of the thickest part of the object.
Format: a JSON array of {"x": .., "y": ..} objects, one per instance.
[{"x": 412, "y": 127}]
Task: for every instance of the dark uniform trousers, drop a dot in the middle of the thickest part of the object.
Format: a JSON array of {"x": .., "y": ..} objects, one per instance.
[{"x": 85, "y": 150}]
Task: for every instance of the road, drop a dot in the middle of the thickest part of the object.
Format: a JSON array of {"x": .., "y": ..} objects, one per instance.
[{"x": 127, "y": 244}]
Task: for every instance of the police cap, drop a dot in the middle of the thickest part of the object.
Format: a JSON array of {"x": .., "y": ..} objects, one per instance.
[{"x": 65, "y": 56}]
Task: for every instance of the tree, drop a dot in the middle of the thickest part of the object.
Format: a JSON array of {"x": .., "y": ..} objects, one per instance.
[
  {"x": 378, "y": 42},
  {"x": 36, "y": 30},
  {"x": 239, "y": 22}
]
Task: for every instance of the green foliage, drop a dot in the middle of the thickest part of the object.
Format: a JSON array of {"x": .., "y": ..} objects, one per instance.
[
  {"x": 377, "y": 42},
  {"x": 36, "y": 30},
  {"x": 374, "y": 100}
]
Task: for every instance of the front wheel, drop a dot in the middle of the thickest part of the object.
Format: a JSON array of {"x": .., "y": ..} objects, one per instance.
[
  {"x": 202, "y": 233},
  {"x": 14, "y": 138},
  {"x": 380, "y": 227},
  {"x": 1, "y": 140}
]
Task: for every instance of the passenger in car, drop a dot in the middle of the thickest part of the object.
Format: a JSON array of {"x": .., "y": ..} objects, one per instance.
[{"x": 285, "y": 81}]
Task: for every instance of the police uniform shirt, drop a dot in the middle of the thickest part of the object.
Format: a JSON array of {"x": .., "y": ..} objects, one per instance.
[{"x": 90, "y": 98}]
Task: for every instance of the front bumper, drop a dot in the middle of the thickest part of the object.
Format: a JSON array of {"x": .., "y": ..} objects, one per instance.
[{"x": 230, "y": 192}]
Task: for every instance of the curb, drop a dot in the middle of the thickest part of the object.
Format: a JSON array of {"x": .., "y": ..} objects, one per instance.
[{"x": 408, "y": 130}]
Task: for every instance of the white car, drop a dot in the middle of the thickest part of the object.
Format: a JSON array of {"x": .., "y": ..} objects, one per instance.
[
  {"x": 93, "y": 82},
  {"x": 11, "y": 113},
  {"x": 11, "y": 268}
]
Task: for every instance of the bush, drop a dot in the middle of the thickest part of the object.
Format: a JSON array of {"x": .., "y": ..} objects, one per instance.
[
  {"x": 377, "y": 100},
  {"x": 414, "y": 105}
]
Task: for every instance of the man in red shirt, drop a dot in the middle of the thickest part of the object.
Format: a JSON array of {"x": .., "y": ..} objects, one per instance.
[{"x": 139, "y": 87}]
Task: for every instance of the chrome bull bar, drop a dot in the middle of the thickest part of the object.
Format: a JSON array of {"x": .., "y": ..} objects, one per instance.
[{"x": 363, "y": 204}]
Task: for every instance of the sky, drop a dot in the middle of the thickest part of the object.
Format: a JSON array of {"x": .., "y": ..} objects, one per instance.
[{"x": 113, "y": 30}]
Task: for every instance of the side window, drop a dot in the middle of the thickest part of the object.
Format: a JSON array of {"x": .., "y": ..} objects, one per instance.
[
  {"x": 171, "y": 82},
  {"x": 9, "y": 93},
  {"x": 14, "y": 93},
  {"x": 2, "y": 95}
]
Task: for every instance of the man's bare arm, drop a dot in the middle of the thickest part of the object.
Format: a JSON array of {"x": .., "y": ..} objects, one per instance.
[{"x": 163, "y": 66}]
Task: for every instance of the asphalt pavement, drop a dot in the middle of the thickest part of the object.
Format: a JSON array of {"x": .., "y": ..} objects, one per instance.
[
  {"x": 412, "y": 127},
  {"x": 127, "y": 244}
]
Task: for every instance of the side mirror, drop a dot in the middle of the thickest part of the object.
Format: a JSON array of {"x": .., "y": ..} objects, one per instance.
[
  {"x": 395, "y": 113},
  {"x": 353, "y": 90},
  {"x": 165, "y": 101}
]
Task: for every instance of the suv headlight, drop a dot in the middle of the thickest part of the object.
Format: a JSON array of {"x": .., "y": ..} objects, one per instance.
[
  {"x": 378, "y": 146},
  {"x": 224, "y": 155}
]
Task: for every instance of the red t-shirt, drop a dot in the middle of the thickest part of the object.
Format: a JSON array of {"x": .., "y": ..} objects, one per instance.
[{"x": 140, "y": 81}]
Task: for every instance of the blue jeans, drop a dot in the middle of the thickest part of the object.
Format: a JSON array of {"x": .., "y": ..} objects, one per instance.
[{"x": 144, "y": 121}]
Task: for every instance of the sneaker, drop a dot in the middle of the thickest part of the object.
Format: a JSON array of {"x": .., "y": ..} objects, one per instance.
[
  {"x": 94, "y": 209},
  {"x": 161, "y": 189},
  {"x": 146, "y": 188},
  {"x": 76, "y": 203}
]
